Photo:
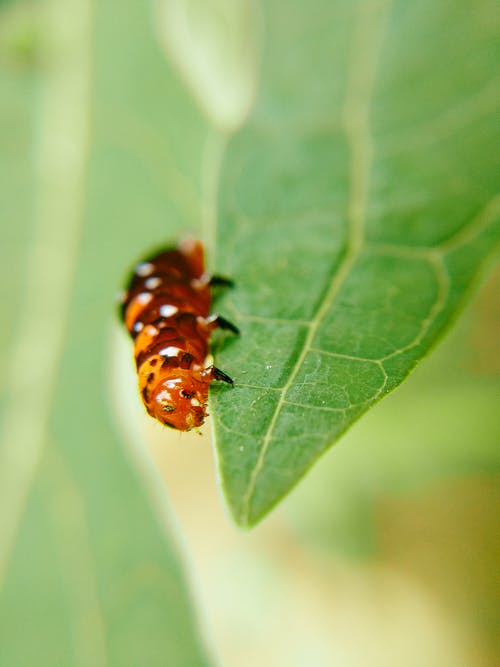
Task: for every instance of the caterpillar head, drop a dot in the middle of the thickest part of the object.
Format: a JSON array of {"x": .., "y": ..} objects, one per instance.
[{"x": 179, "y": 400}]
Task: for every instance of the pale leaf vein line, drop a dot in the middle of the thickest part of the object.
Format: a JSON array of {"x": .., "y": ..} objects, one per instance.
[{"x": 487, "y": 214}]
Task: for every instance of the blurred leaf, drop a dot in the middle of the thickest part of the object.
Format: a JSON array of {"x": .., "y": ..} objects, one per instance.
[
  {"x": 214, "y": 45},
  {"x": 88, "y": 571},
  {"x": 356, "y": 208}
]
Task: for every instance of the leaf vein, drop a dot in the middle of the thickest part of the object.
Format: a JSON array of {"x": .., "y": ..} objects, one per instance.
[
  {"x": 443, "y": 284},
  {"x": 343, "y": 356},
  {"x": 487, "y": 214},
  {"x": 324, "y": 408}
]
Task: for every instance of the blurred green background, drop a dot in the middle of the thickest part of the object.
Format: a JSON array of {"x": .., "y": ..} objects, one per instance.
[{"x": 385, "y": 554}]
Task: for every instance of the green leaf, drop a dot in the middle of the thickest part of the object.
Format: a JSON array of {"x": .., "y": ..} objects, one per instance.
[
  {"x": 356, "y": 208},
  {"x": 89, "y": 573}
]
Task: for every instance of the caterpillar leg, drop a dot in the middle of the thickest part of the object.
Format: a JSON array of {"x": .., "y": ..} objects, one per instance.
[
  {"x": 206, "y": 280},
  {"x": 213, "y": 322},
  {"x": 214, "y": 373},
  {"x": 220, "y": 281}
]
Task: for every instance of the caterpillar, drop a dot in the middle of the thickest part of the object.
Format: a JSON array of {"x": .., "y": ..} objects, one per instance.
[{"x": 166, "y": 310}]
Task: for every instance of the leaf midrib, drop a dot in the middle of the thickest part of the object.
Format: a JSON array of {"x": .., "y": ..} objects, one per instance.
[{"x": 355, "y": 116}]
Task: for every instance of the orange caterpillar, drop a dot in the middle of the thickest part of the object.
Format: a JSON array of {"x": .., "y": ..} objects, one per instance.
[{"x": 166, "y": 311}]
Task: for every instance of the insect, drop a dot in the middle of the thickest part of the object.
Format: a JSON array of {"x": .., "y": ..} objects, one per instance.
[{"x": 166, "y": 309}]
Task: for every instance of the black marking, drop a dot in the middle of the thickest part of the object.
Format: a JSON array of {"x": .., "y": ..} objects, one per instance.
[
  {"x": 153, "y": 362},
  {"x": 150, "y": 378},
  {"x": 187, "y": 394},
  {"x": 168, "y": 424},
  {"x": 172, "y": 362},
  {"x": 145, "y": 393},
  {"x": 186, "y": 360}
]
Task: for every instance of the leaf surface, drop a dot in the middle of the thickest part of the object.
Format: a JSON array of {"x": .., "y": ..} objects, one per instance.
[{"x": 356, "y": 207}]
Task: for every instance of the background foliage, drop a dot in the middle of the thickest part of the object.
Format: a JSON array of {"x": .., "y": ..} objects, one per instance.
[{"x": 336, "y": 160}]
